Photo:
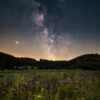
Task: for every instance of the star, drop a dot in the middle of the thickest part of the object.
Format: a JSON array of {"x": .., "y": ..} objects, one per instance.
[{"x": 17, "y": 42}]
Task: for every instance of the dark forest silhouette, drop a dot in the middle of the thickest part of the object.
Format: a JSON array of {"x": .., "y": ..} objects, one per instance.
[{"x": 85, "y": 62}]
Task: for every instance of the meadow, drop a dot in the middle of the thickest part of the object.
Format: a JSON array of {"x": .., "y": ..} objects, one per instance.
[{"x": 50, "y": 85}]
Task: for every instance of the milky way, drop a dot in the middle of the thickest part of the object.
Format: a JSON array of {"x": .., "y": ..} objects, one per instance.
[
  {"x": 53, "y": 46},
  {"x": 49, "y": 29}
]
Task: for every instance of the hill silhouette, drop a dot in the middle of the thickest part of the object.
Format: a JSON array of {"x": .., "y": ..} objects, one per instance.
[{"x": 85, "y": 62}]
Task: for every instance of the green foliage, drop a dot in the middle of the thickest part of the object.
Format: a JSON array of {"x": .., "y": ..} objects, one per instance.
[{"x": 50, "y": 85}]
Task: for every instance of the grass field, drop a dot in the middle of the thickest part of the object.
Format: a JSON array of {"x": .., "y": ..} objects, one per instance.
[{"x": 50, "y": 85}]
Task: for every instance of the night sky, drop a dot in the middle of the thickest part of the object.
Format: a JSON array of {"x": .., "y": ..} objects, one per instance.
[{"x": 50, "y": 29}]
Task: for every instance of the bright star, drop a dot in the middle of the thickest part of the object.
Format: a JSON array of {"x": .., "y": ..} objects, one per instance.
[{"x": 17, "y": 42}]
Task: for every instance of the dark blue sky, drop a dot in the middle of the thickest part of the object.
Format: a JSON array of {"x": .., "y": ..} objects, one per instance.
[{"x": 50, "y": 29}]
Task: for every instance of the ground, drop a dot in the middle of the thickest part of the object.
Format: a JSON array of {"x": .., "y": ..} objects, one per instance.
[{"x": 50, "y": 85}]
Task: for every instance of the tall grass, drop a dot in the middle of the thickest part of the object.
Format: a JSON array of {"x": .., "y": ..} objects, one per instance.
[{"x": 50, "y": 85}]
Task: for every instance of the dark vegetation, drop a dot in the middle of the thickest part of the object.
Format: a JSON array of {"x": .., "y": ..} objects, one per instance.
[{"x": 85, "y": 62}]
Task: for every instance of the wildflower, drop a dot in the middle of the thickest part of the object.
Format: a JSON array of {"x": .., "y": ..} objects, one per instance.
[
  {"x": 83, "y": 75},
  {"x": 25, "y": 86},
  {"x": 64, "y": 81}
]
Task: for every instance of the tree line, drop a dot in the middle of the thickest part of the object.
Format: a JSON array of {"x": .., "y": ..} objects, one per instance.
[{"x": 85, "y": 62}]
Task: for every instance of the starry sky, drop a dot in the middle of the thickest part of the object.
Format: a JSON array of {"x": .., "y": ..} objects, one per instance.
[{"x": 50, "y": 29}]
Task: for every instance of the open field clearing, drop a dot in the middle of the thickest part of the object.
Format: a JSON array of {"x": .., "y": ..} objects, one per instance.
[{"x": 50, "y": 85}]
